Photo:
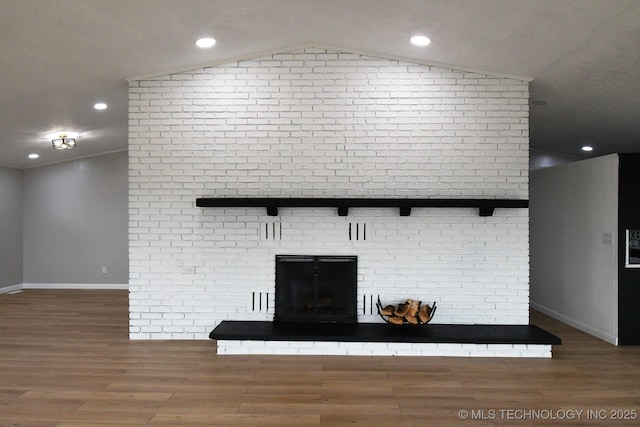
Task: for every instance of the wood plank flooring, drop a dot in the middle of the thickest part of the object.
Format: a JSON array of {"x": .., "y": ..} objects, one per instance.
[{"x": 65, "y": 360}]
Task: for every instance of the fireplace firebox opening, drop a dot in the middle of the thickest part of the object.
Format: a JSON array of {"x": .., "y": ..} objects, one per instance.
[{"x": 316, "y": 288}]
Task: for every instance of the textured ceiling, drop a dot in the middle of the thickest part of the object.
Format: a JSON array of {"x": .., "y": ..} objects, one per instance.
[{"x": 59, "y": 57}]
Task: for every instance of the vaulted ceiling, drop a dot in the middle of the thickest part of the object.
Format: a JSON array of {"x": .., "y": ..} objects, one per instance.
[{"x": 59, "y": 57}]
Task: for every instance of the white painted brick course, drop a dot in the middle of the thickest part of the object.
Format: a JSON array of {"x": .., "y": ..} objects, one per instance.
[
  {"x": 325, "y": 124},
  {"x": 230, "y": 347}
]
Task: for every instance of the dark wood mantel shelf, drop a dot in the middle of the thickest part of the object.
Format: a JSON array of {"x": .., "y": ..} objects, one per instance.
[{"x": 485, "y": 206}]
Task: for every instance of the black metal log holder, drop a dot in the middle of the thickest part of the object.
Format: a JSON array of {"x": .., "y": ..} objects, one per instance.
[{"x": 385, "y": 318}]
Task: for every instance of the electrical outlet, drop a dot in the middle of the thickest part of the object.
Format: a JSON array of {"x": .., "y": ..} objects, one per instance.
[{"x": 104, "y": 269}]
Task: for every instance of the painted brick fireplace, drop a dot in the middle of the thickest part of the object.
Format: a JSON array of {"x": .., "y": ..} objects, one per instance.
[{"x": 320, "y": 122}]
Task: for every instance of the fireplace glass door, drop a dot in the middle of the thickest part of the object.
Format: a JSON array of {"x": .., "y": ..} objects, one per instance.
[{"x": 316, "y": 288}]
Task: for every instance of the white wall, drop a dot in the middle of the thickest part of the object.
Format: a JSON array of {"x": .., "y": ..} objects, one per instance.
[
  {"x": 544, "y": 159},
  {"x": 325, "y": 124},
  {"x": 10, "y": 227},
  {"x": 574, "y": 257},
  {"x": 75, "y": 222}
]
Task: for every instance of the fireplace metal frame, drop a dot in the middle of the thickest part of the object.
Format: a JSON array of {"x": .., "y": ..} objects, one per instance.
[{"x": 350, "y": 316}]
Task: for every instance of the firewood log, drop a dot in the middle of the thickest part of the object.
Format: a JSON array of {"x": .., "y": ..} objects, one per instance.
[
  {"x": 395, "y": 320},
  {"x": 411, "y": 319},
  {"x": 387, "y": 311},
  {"x": 401, "y": 310},
  {"x": 414, "y": 305},
  {"x": 424, "y": 314}
]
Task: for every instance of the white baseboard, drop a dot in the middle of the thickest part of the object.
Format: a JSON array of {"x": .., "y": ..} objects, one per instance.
[
  {"x": 12, "y": 288},
  {"x": 605, "y": 336},
  {"x": 121, "y": 286}
]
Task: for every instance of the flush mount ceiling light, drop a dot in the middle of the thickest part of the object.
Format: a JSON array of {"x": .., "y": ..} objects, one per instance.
[
  {"x": 421, "y": 41},
  {"x": 64, "y": 142},
  {"x": 100, "y": 106},
  {"x": 33, "y": 156},
  {"x": 587, "y": 148},
  {"x": 205, "y": 42}
]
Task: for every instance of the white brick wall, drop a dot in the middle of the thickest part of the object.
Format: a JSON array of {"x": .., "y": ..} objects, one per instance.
[
  {"x": 326, "y": 348},
  {"x": 320, "y": 123}
]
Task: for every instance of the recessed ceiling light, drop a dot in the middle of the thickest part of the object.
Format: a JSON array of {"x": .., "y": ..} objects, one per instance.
[
  {"x": 34, "y": 156},
  {"x": 587, "y": 148},
  {"x": 421, "y": 41},
  {"x": 205, "y": 42},
  {"x": 100, "y": 106}
]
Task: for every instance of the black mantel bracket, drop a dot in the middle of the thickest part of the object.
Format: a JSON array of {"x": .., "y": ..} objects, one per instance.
[{"x": 485, "y": 206}]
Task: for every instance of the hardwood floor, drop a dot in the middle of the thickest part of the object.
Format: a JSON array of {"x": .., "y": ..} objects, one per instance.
[{"x": 65, "y": 360}]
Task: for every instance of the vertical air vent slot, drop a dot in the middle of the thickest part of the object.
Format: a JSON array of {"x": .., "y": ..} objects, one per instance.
[
  {"x": 369, "y": 304},
  {"x": 259, "y": 302},
  {"x": 271, "y": 231},
  {"x": 357, "y": 231}
]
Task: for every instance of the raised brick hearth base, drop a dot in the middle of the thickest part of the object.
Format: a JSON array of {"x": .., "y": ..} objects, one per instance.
[{"x": 375, "y": 339}]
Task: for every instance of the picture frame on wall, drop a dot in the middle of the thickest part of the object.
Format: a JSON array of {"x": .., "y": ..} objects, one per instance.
[{"x": 632, "y": 255}]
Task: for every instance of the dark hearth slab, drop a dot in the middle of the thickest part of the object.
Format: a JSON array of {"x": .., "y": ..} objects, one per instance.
[
  {"x": 382, "y": 332},
  {"x": 519, "y": 334}
]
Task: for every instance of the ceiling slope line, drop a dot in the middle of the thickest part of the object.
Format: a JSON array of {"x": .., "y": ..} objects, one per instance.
[{"x": 290, "y": 49}]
